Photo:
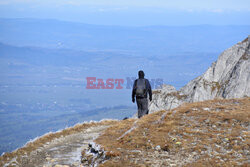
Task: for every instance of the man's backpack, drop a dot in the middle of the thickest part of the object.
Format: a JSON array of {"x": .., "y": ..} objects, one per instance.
[{"x": 140, "y": 88}]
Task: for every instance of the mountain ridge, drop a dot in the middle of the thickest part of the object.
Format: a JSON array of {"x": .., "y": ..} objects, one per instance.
[
  {"x": 228, "y": 77},
  {"x": 55, "y": 34}
]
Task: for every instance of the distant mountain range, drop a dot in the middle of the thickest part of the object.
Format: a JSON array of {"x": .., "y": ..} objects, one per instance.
[{"x": 149, "y": 40}]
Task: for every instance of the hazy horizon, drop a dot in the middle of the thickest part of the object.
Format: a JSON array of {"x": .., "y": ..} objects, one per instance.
[
  {"x": 132, "y": 13},
  {"x": 110, "y": 25}
]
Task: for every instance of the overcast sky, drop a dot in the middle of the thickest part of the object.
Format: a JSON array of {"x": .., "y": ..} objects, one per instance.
[{"x": 132, "y": 12}]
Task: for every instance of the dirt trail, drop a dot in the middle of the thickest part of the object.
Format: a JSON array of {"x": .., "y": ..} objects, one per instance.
[{"x": 61, "y": 151}]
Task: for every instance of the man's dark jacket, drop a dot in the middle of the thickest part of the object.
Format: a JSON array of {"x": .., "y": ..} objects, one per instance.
[{"x": 148, "y": 89}]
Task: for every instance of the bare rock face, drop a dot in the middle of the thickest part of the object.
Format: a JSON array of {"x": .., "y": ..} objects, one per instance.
[
  {"x": 166, "y": 98},
  {"x": 228, "y": 77}
]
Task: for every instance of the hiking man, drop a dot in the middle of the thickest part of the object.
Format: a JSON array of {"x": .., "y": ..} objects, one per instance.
[{"x": 141, "y": 89}]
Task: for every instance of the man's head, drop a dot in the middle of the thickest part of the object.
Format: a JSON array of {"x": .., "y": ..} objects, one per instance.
[{"x": 141, "y": 74}]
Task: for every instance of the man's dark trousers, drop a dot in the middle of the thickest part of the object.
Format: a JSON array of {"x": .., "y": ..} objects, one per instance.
[{"x": 142, "y": 105}]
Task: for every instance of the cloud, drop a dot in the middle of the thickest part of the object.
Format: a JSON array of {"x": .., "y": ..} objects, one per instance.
[
  {"x": 74, "y": 3},
  {"x": 214, "y": 6},
  {"x": 217, "y": 10},
  {"x": 15, "y": 1},
  {"x": 4, "y": 2},
  {"x": 112, "y": 9}
]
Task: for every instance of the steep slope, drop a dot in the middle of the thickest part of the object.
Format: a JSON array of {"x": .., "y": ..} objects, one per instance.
[
  {"x": 228, "y": 77},
  {"x": 210, "y": 133}
]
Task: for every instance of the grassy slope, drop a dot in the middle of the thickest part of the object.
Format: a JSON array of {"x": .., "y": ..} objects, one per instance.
[{"x": 210, "y": 133}]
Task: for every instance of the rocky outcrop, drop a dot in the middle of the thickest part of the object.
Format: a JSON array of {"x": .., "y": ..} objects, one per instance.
[
  {"x": 166, "y": 98},
  {"x": 228, "y": 77}
]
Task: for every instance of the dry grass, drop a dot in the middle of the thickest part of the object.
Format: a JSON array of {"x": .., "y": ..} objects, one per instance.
[
  {"x": 245, "y": 40},
  {"x": 177, "y": 95},
  {"x": 211, "y": 133},
  {"x": 28, "y": 148},
  {"x": 215, "y": 86}
]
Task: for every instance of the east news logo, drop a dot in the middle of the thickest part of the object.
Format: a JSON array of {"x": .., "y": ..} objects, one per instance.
[{"x": 119, "y": 83}]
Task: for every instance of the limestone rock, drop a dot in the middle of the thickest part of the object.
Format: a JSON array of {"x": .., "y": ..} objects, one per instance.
[{"x": 228, "y": 77}]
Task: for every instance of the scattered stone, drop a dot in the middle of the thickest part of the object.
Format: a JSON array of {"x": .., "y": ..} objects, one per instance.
[
  {"x": 158, "y": 148},
  {"x": 135, "y": 151},
  {"x": 174, "y": 139},
  {"x": 94, "y": 154},
  {"x": 61, "y": 165},
  {"x": 206, "y": 109},
  {"x": 166, "y": 148},
  {"x": 48, "y": 158}
]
